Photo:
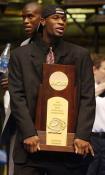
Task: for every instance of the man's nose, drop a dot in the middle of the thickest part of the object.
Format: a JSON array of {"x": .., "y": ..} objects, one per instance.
[
  {"x": 26, "y": 20},
  {"x": 61, "y": 22}
]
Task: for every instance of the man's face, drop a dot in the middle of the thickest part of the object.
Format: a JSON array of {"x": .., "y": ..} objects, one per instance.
[
  {"x": 31, "y": 18},
  {"x": 100, "y": 73},
  {"x": 55, "y": 25}
]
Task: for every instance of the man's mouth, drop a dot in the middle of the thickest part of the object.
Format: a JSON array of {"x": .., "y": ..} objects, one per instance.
[
  {"x": 60, "y": 29},
  {"x": 27, "y": 28}
]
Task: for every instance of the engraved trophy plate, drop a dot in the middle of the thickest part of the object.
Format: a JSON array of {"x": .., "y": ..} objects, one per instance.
[{"x": 57, "y": 120}]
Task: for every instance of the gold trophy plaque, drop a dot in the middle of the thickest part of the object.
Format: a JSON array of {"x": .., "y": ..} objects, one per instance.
[{"x": 56, "y": 108}]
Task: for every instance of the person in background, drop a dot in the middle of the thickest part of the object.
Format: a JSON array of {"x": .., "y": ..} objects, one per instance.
[
  {"x": 25, "y": 77},
  {"x": 97, "y": 166},
  {"x": 31, "y": 14}
]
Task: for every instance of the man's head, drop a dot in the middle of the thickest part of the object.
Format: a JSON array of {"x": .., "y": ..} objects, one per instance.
[
  {"x": 31, "y": 14},
  {"x": 99, "y": 67},
  {"x": 53, "y": 21}
]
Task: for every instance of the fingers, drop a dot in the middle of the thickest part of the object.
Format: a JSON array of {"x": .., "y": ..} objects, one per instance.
[
  {"x": 76, "y": 149},
  {"x": 79, "y": 150},
  {"x": 83, "y": 147},
  {"x": 86, "y": 150},
  {"x": 78, "y": 145},
  {"x": 4, "y": 83},
  {"x": 4, "y": 80},
  {"x": 32, "y": 144},
  {"x": 38, "y": 147},
  {"x": 28, "y": 148},
  {"x": 91, "y": 150},
  {"x": 31, "y": 148}
]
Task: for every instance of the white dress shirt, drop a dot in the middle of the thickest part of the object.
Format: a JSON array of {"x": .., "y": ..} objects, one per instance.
[{"x": 99, "y": 123}]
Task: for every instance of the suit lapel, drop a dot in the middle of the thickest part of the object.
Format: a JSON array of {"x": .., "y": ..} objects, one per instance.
[
  {"x": 39, "y": 52},
  {"x": 37, "y": 59},
  {"x": 60, "y": 52}
]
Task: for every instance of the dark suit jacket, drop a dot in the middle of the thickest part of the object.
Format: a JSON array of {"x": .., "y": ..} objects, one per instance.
[{"x": 25, "y": 77}]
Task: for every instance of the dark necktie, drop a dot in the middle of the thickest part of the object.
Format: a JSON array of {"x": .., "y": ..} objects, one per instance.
[{"x": 50, "y": 57}]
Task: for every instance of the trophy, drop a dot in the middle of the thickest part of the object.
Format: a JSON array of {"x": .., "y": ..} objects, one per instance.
[{"x": 57, "y": 108}]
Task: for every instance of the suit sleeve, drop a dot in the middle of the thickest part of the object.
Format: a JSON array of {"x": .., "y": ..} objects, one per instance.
[
  {"x": 18, "y": 101},
  {"x": 86, "y": 113}
]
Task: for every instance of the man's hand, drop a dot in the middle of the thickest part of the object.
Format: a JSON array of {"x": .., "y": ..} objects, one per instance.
[
  {"x": 32, "y": 144},
  {"x": 83, "y": 147},
  {"x": 4, "y": 83}
]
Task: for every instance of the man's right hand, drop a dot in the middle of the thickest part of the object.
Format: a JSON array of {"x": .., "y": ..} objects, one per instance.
[{"x": 32, "y": 144}]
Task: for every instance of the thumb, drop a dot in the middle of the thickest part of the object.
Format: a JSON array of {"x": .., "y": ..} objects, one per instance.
[
  {"x": 76, "y": 148},
  {"x": 38, "y": 146}
]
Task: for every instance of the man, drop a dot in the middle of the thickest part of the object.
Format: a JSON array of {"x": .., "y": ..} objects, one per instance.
[
  {"x": 25, "y": 77},
  {"x": 31, "y": 14},
  {"x": 97, "y": 166}
]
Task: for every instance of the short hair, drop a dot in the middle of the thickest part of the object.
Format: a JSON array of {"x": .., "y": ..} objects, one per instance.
[
  {"x": 31, "y": 2},
  {"x": 97, "y": 59},
  {"x": 51, "y": 10}
]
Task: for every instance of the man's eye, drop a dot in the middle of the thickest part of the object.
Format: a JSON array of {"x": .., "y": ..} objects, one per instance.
[
  {"x": 30, "y": 16},
  {"x": 55, "y": 17},
  {"x": 64, "y": 19}
]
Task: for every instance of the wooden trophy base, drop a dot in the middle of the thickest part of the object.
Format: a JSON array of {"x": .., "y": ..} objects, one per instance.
[{"x": 44, "y": 147}]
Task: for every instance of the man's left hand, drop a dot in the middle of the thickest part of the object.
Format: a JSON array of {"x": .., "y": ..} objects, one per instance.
[{"x": 83, "y": 147}]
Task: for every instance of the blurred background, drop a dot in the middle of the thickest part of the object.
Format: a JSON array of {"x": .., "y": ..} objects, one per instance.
[{"x": 86, "y": 22}]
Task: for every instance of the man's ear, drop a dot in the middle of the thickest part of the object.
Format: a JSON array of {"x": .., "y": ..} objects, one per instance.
[{"x": 43, "y": 22}]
